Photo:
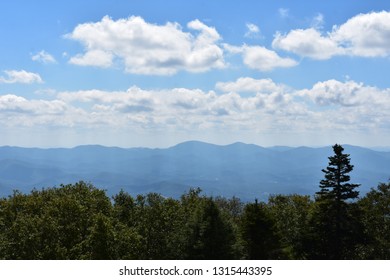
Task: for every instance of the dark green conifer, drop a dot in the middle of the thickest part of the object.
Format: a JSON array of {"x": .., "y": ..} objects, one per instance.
[
  {"x": 336, "y": 184},
  {"x": 335, "y": 227},
  {"x": 258, "y": 233}
]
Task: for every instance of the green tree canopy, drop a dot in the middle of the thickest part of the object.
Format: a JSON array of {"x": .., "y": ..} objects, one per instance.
[
  {"x": 259, "y": 233},
  {"x": 376, "y": 220}
]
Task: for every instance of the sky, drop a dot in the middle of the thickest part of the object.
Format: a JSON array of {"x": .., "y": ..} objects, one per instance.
[{"x": 151, "y": 73}]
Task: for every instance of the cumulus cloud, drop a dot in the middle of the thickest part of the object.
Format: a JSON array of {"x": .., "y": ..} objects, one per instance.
[
  {"x": 352, "y": 105},
  {"x": 96, "y": 58},
  {"x": 184, "y": 107},
  {"x": 307, "y": 43},
  {"x": 247, "y": 84},
  {"x": 261, "y": 58},
  {"x": 146, "y": 48},
  {"x": 43, "y": 57},
  {"x": 365, "y": 35},
  {"x": 348, "y": 94},
  {"x": 16, "y": 104},
  {"x": 17, "y": 111},
  {"x": 22, "y": 76}
]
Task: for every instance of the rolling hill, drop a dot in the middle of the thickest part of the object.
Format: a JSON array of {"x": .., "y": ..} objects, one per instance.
[{"x": 243, "y": 170}]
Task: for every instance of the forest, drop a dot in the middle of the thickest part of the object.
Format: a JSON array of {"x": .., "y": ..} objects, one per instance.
[{"x": 80, "y": 221}]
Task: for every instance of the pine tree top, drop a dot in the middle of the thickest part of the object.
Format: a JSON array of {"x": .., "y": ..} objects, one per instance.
[{"x": 335, "y": 185}]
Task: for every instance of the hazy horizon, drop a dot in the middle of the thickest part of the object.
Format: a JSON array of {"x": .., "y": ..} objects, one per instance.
[{"x": 374, "y": 148}]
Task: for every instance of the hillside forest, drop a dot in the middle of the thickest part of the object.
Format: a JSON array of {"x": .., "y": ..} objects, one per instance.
[{"x": 80, "y": 221}]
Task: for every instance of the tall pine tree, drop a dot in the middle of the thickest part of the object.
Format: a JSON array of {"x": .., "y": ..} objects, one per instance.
[
  {"x": 335, "y": 186},
  {"x": 335, "y": 229}
]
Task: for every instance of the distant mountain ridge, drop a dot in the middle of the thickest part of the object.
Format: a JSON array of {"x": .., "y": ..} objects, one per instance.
[{"x": 243, "y": 170}]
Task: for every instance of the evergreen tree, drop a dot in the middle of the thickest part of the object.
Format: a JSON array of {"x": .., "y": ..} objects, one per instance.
[
  {"x": 210, "y": 236},
  {"x": 336, "y": 230},
  {"x": 101, "y": 239},
  {"x": 259, "y": 233},
  {"x": 124, "y": 208},
  {"x": 335, "y": 186}
]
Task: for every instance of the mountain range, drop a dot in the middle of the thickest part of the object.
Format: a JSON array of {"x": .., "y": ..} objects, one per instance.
[{"x": 243, "y": 170}]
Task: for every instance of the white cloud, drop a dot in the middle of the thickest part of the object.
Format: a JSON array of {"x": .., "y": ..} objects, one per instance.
[
  {"x": 13, "y": 104},
  {"x": 349, "y": 106},
  {"x": 247, "y": 84},
  {"x": 43, "y": 57},
  {"x": 261, "y": 58},
  {"x": 333, "y": 92},
  {"x": 348, "y": 94},
  {"x": 147, "y": 48},
  {"x": 366, "y": 35},
  {"x": 186, "y": 108},
  {"x": 307, "y": 43},
  {"x": 253, "y": 31},
  {"x": 233, "y": 49},
  {"x": 22, "y": 76},
  {"x": 97, "y": 58},
  {"x": 17, "y": 111}
]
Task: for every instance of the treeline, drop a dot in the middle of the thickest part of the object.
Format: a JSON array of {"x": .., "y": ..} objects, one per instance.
[{"x": 80, "y": 221}]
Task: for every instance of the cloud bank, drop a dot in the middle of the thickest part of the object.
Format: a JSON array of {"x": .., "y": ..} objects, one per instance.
[{"x": 326, "y": 106}]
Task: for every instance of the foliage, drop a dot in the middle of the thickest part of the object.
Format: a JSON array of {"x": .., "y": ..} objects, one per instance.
[
  {"x": 376, "y": 220},
  {"x": 291, "y": 216},
  {"x": 258, "y": 233},
  {"x": 54, "y": 223}
]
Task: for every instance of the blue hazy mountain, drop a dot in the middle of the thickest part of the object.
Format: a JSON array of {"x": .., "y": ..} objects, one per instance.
[{"x": 244, "y": 170}]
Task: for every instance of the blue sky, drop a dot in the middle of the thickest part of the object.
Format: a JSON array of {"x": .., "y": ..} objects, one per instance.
[{"x": 156, "y": 73}]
